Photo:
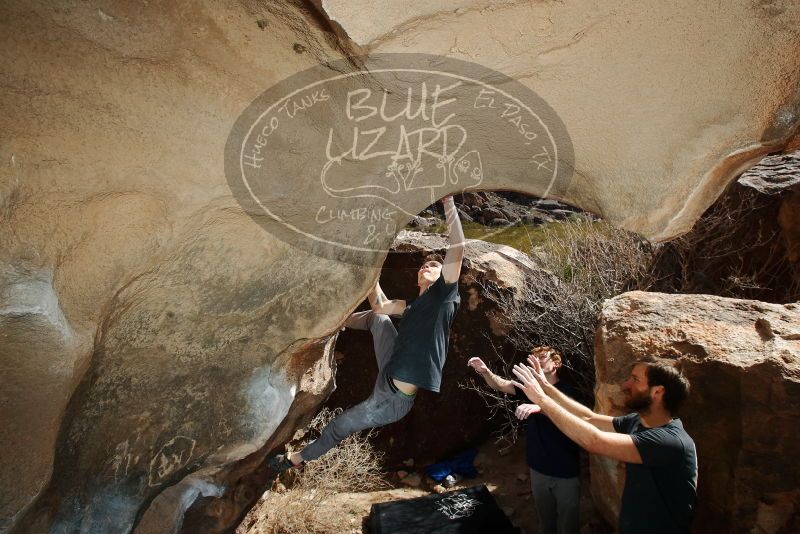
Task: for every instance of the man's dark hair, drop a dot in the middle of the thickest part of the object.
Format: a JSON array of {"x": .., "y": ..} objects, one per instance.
[
  {"x": 434, "y": 257},
  {"x": 676, "y": 386}
]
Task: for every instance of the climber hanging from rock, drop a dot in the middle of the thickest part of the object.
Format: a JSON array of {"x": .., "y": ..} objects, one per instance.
[{"x": 407, "y": 360}]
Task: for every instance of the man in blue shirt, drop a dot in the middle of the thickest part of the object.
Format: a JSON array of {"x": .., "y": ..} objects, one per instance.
[
  {"x": 553, "y": 458},
  {"x": 661, "y": 459},
  {"x": 408, "y": 360}
]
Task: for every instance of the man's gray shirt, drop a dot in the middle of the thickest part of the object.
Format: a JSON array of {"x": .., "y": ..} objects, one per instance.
[
  {"x": 659, "y": 494},
  {"x": 421, "y": 345}
]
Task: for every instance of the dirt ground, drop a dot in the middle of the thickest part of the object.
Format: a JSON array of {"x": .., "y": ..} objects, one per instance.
[{"x": 506, "y": 476}]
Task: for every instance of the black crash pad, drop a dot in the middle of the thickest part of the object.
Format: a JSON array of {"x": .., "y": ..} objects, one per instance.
[{"x": 467, "y": 511}]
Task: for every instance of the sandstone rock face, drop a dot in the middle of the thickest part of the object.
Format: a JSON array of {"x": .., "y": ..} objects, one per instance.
[
  {"x": 155, "y": 338},
  {"x": 665, "y": 104},
  {"x": 456, "y": 418},
  {"x": 773, "y": 174},
  {"x": 152, "y": 334},
  {"x": 743, "y": 360}
]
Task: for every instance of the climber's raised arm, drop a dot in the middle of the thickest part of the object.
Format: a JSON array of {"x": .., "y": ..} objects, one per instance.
[{"x": 451, "y": 269}]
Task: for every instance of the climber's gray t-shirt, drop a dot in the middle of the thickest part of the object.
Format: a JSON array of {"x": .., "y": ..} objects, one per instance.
[{"x": 421, "y": 345}]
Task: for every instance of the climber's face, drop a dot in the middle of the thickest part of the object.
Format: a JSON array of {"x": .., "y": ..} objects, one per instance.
[{"x": 428, "y": 273}]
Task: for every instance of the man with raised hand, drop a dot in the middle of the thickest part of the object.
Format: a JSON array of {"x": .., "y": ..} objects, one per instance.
[
  {"x": 408, "y": 360},
  {"x": 660, "y": 457},
  {"x": 553, "y": 459}
]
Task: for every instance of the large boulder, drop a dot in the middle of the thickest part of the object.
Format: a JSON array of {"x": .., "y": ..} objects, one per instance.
[
  {"x": 743, "y": 360},
  {"x": 154, "y": 336}
]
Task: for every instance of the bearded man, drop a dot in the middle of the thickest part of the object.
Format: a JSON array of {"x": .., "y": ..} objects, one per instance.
[{"x": 660, "y": 457}]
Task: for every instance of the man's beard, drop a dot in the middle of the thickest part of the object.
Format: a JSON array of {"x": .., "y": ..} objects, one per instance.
[{"x": 640, "y": 402}]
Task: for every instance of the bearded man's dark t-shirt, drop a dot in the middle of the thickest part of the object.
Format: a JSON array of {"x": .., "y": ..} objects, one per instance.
[
  {"x": 660, "y": 493},
  {"x": 420, "y": 348}
]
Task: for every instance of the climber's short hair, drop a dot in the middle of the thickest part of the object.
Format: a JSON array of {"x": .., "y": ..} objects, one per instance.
[{"x": 434, "y": 257}]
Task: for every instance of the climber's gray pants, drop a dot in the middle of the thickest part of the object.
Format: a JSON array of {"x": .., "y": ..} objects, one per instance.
[{"x": 382, "y": 407}]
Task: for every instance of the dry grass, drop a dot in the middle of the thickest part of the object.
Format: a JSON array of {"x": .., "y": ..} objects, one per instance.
[
  {"x": 581, "y": 265},
  {"x": 303, "y": 506},
  {"x": 736, "y": 249}
]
